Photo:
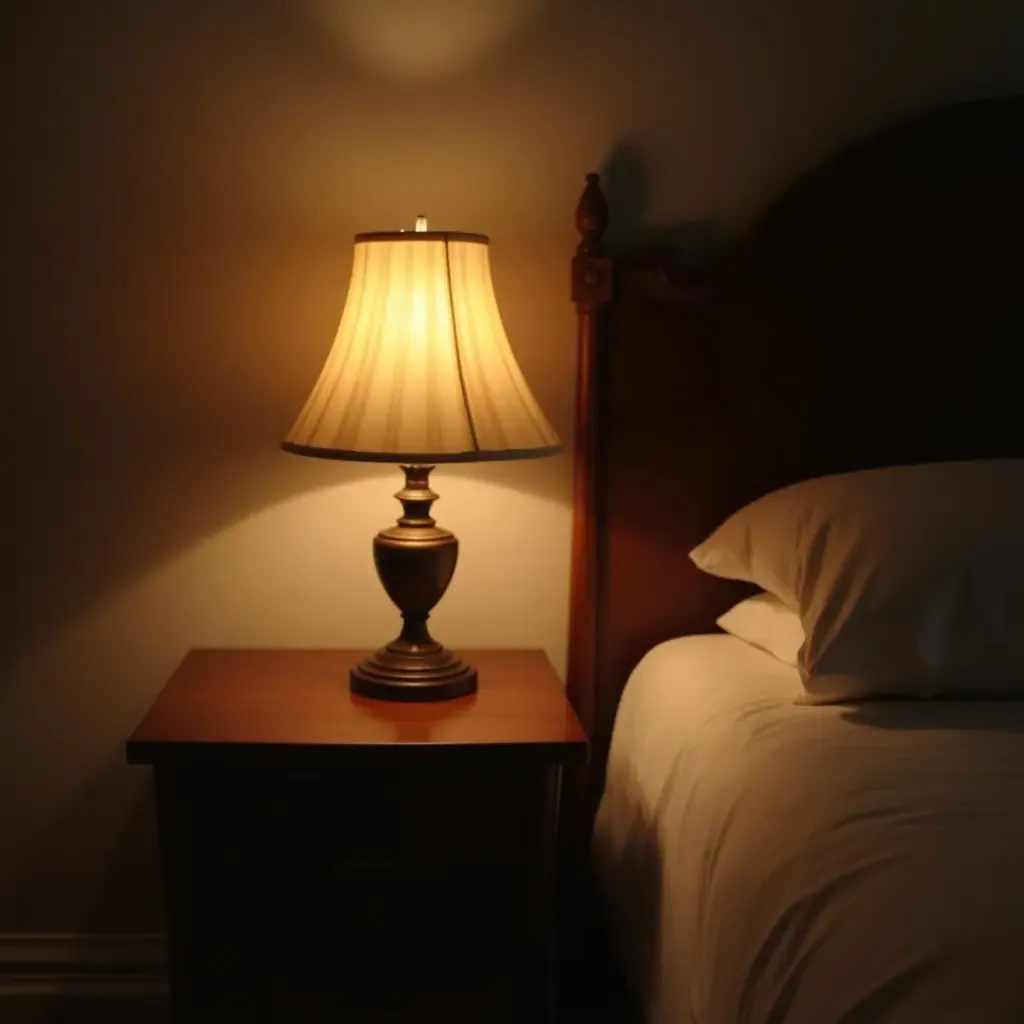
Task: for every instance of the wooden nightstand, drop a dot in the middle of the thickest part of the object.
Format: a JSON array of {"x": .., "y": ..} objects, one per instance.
[{"x": 329, "y": 857}]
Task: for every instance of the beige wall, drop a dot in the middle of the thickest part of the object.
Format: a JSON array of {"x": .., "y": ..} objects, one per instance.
[{"x": 181, "y": 192}]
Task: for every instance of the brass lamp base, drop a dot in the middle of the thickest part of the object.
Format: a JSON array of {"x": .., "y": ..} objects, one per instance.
[
  {"x": 413, "y": 675},
  {"x": 415, "y": 561}
]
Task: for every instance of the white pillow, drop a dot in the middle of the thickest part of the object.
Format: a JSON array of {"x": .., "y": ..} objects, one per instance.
[
  {"x": 909, "y": 581},
  {"x": 764, "y": 621}
]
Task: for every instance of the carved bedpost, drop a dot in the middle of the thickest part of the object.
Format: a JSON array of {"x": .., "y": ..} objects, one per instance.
[{"x": 591, "y": 289}]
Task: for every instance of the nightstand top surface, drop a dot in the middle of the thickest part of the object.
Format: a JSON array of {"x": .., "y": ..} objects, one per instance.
[{"x": 300, "y": 699}]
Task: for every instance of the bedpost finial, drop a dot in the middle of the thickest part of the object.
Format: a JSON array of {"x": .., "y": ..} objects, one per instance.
[{"x": 592, "y": 217}]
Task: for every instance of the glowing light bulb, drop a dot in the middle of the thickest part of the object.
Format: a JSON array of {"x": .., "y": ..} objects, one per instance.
[{"x": 421, "y": 223}]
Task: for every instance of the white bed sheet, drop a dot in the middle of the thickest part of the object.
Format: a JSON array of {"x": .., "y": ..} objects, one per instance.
[{"x": 767, "y": 863}]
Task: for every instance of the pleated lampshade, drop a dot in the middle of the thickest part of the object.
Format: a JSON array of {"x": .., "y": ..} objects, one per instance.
[{"x": 421, "y": 370}]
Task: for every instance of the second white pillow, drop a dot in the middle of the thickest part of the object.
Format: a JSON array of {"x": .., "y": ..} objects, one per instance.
[{"x": 765, "y": 622}]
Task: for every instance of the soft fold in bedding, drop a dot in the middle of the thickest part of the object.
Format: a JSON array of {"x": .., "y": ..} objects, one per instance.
[{"x": 768, "y": 863}]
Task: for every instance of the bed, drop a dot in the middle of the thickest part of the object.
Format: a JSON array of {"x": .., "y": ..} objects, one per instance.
[{"x": 761, "y": 855}]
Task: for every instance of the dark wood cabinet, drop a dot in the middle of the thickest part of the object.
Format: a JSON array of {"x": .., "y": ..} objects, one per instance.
[{"x": 329, "y": 858}]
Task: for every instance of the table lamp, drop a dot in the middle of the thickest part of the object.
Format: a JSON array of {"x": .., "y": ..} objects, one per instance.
[{"x": 420, "y": 372}]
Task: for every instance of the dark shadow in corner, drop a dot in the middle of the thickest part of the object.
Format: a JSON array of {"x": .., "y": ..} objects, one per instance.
[
  {"x": 123, "y": 908},
  {"x": 628, "y": 184},
  {"x": 600, "y": 981}
]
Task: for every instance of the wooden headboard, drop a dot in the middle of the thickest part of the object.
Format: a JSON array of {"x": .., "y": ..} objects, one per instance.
[{"x": 874, "y": 315}]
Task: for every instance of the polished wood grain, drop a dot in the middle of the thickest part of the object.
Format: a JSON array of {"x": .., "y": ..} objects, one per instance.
[
  {"x": 260, "y": 698},
  {"x": 872, "y": 316}
]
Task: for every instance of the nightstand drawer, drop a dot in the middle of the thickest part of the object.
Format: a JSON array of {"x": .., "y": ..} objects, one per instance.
[
  {"x": 442, "y": 816},
  {"x": 439, "y": 863}
]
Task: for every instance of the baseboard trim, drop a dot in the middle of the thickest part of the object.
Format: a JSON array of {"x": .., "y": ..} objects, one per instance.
[{"x": 77, "y": 966}]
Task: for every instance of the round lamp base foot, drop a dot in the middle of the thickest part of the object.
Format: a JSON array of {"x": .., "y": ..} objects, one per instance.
[{"x": 413, "y": 675}]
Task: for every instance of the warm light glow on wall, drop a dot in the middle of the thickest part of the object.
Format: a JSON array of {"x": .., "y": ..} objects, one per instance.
[{"x": 413, "y": 39}]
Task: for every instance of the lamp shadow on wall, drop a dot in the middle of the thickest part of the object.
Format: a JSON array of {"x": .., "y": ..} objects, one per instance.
[{"x": 628, "y": 182}]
